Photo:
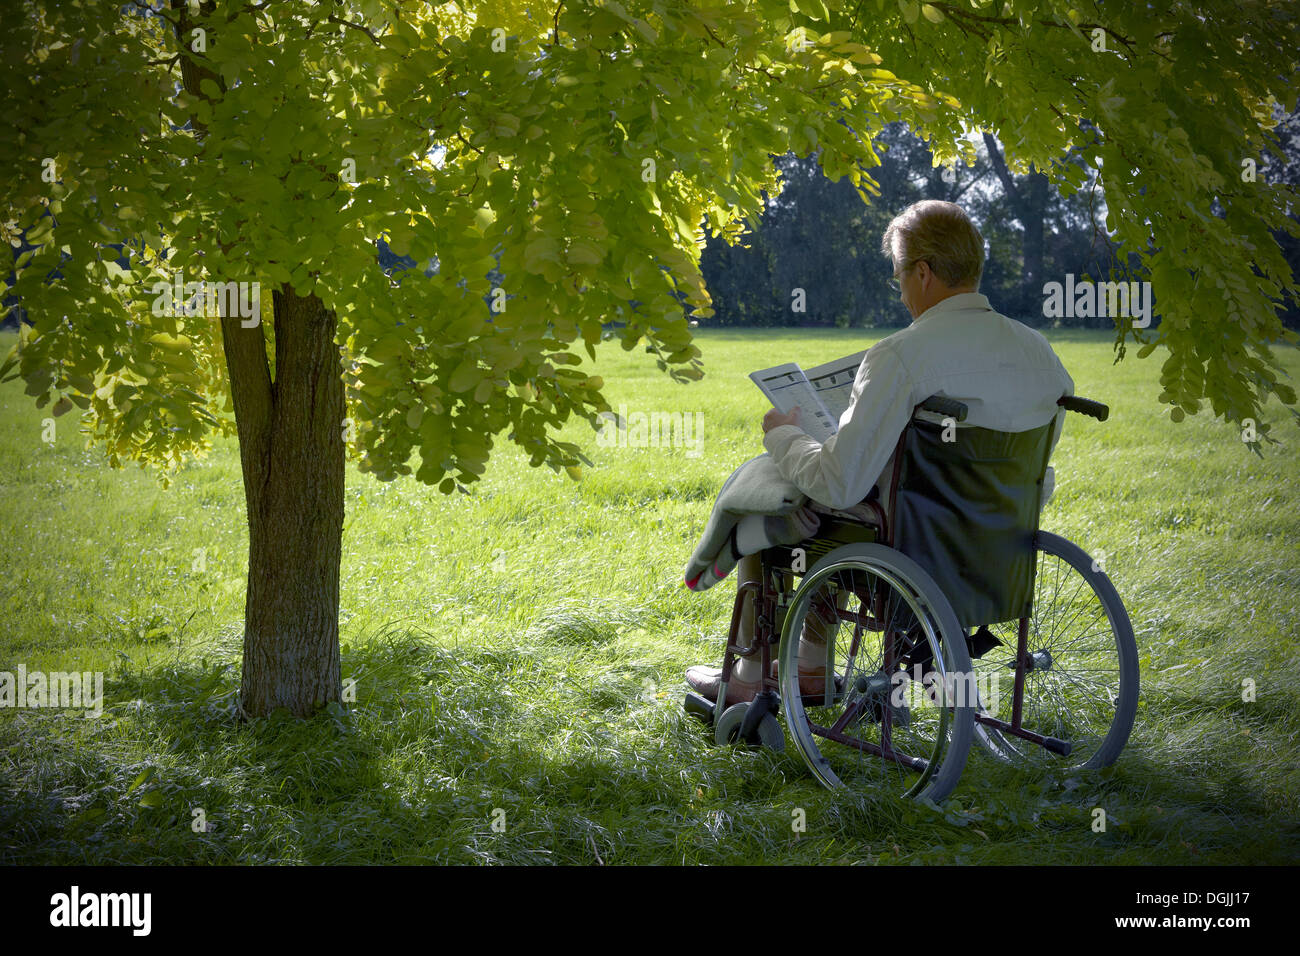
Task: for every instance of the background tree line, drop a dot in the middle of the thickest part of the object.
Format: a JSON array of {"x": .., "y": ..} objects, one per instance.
[{"x": 816, "y": 235}]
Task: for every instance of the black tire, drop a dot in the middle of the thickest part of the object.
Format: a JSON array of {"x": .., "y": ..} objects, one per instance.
[
  {"x": 1086, "y": 692},
  {"x": 767, "y": 734}
]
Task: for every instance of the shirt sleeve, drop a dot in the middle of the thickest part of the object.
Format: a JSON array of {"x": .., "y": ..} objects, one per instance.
[{"x": 840, "y": 472}]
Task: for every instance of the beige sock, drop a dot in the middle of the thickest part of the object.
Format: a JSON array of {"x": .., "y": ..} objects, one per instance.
[
  {"x": 747, "y": 669},
  {"x": 812, "y": 642},
  {"x": 812, "y": 656}
]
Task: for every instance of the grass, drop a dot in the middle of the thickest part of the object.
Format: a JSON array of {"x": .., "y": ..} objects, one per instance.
[{"x": 518, "y": 656}]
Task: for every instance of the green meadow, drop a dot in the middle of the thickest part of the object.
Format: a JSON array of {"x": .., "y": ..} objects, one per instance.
[{"x": 518, "y": 653}]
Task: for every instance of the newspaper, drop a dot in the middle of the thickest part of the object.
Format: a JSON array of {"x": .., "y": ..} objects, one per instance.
[{"x": 822, "y": 393}]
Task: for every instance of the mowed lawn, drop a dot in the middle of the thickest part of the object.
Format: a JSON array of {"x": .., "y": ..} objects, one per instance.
[{"x": 518, "y": 655}]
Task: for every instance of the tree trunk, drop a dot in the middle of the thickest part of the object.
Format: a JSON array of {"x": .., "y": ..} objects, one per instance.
[
  {"x": 1028, "y": 199},
  {"x": 291, "y": 451},
  {"x": 1032, "y": 212}
]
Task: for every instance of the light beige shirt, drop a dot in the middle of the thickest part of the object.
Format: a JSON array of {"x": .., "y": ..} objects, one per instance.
[{"x": 1005, "y": 372}]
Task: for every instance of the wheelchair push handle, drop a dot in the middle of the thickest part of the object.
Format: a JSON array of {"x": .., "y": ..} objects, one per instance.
[
  {"x": 957, "y": 410},
  {"x": 1086, "y": 406}
]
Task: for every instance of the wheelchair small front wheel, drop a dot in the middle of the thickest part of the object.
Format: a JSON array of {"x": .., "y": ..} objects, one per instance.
[
  {"x": 882, "y": 708},
  {"x": 1081, "y": 667},
  {"x": 768, "y": 732}
]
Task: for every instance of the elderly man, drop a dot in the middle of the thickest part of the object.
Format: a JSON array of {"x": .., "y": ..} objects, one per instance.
[{"x": 957, "y": 346}]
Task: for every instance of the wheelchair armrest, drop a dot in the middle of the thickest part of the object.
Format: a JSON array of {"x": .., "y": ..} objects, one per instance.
[
  {"x": 945, "y": 406},
  {"x": 862, "y": 513}
]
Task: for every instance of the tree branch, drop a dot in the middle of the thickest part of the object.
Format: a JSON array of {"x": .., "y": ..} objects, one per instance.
[
  {"x": 957, "y": 14},
  {"x": 461, "y": 136},
  {"x": 711, "y": 33},
  {"x": 974, "y": 179},
  {"x": 154, "y": 11},
  {"x": 355, "y": 26}
]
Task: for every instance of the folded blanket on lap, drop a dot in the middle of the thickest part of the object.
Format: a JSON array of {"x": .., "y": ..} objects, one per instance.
[{"x": 756, "y": 509}]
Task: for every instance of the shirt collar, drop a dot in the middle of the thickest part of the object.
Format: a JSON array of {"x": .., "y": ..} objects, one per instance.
[{"x": 961, "y": 302}]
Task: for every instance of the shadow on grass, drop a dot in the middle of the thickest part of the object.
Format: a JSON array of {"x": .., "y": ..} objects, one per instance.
[
  {"x": 486, "y": 755},
  {"x": 169, "y": 774},
  {"x": 536, "y": 754}
]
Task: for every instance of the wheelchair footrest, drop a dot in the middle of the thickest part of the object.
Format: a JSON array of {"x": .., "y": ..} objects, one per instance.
[{"x": 699, "y": 708}]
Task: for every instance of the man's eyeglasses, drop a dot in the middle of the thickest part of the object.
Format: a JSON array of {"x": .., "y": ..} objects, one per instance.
[{"x": 895, "y": 283}]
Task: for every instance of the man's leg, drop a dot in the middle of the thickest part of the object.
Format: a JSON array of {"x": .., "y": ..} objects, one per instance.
[
  {"x": 746, "y": 675},
  {"x": 750, "y": 568},
  {"x": 819, "y": 626}
]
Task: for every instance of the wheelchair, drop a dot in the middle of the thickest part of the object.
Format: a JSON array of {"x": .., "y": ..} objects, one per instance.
[{"x": 944, "y": 618}]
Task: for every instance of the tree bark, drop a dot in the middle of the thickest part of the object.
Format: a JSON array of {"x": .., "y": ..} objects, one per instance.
[{"x": 292, "y": 456}]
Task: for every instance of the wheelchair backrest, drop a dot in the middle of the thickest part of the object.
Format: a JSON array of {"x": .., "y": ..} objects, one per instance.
[{"x": 967, "y": 509}]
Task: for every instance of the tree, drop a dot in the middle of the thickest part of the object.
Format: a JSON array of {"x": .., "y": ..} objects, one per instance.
[
  {"x": 1284, "y": 167},
  {"x": 1064, "y": 235},
  {"x": 575, "y": 148},
  {"x": 807, "y": 259},
  {"x": 572, "y": 149}
]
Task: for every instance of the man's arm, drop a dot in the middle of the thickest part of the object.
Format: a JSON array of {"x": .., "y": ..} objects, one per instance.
[{"x": 840, "y": 473}]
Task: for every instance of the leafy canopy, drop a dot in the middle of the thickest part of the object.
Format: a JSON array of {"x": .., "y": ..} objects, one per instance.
[
  {"x": 1181, "y": 99},
  {"x": 556, "y": 164}
]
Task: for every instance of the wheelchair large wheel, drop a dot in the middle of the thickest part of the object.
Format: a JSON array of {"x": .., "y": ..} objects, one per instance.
[
  {"x": 1081, "y": 674},
  {"x": 872, "y": 725}
]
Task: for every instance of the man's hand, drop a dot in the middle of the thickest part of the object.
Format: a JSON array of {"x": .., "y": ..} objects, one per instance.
[{"x": 774, "y": 418}]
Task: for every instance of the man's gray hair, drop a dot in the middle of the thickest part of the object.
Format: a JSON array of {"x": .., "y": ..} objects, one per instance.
[{"x": 940, "y": 233}]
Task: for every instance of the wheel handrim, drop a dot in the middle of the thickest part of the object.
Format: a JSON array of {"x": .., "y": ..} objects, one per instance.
[{"x": 862, "y": 735}]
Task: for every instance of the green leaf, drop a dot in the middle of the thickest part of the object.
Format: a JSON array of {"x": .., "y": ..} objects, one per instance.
[
  {"x": 144, "y": 778},
  {"x": 466, "y": 376},
  {"x": 153, "y": 798},
  {"x": 542, "y": 249},
  {"x": 278, "y": 273},
  {"x": 583, "y": 252}
]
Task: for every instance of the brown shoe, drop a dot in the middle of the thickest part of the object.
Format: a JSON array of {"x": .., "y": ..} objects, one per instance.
[{"x": 705, "y": 680}]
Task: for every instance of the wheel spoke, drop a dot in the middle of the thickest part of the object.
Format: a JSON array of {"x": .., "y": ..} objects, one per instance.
[{"x": 1079, "y": 669}]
